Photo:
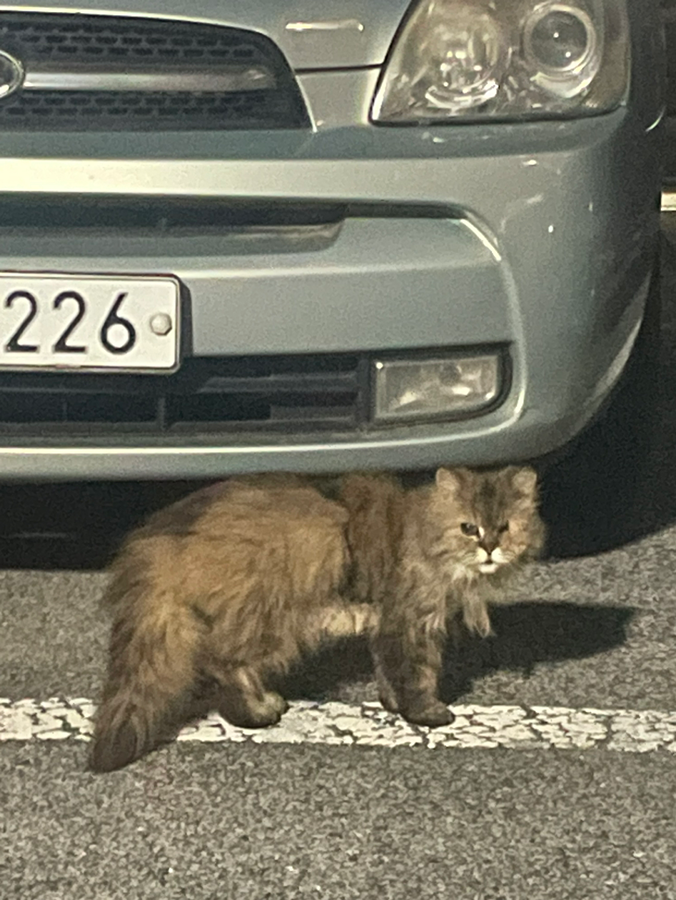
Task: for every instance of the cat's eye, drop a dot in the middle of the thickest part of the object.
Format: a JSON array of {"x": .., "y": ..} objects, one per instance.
[
  {"x": 469, "y": 529},
  {"x": 503, "y": 528}
]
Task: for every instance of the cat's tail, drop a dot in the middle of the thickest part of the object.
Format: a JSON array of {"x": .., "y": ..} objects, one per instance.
[{"x": 153, "y": 648}]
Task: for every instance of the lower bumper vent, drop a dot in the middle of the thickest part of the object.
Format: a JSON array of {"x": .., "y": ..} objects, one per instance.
[{"x": 289, "y": 394}]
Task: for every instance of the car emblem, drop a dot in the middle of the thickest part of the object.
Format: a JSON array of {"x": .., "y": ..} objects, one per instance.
[{"x": 11, "y": 74}]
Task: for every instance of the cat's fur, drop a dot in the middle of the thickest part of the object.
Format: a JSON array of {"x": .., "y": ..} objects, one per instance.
[
  {"x": 228, "y": 586},
  {"x": 232, "y": 584},
  {"x": 414, "y": 561}
]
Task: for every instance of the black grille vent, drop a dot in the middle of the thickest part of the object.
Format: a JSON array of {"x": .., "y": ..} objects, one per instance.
[
  {"x": 243, "y": 395},
  {"x": 79, "y": 38},
  {"x": 66, "y": 43},
  {"x": 108, "y": 110},
  {"x": 168, "y": 215}
]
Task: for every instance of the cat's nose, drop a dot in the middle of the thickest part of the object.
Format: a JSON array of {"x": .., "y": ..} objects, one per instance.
[{"x": 488, "y": 546}]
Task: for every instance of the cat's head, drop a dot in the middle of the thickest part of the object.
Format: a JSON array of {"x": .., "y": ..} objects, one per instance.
[{"x": 490, "y": 517}]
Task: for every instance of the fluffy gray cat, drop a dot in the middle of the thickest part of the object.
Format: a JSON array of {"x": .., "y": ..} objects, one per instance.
[{"x": 231, "y": 585}]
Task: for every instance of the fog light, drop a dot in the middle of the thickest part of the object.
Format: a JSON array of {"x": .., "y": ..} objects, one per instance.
[{"x": 433, "y": 388}]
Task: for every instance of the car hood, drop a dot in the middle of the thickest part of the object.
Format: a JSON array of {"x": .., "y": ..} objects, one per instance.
[
  {"x": 321, "y": 34},
  {"x": 313, "y": 34}
]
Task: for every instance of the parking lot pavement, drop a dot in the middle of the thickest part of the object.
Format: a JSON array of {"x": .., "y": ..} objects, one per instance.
[{"x": 557, "y": 781}]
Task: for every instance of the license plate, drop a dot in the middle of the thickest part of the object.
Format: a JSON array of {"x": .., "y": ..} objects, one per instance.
[{"x": 88, "y": 322}]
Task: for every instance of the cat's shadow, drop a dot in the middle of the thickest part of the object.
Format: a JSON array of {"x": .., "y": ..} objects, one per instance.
[{"x": 526, "y": 635}]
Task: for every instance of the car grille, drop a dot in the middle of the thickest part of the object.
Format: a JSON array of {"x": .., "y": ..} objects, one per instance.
[
  {"x": 86, "y": 71},
  {"x": 239, "y": 395}
]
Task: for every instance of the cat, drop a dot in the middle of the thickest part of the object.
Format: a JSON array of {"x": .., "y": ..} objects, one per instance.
[
  {"x": 226, "y": 587},
  {"x": 428, "y": 556},
  {"x": 230, "y": 586}
]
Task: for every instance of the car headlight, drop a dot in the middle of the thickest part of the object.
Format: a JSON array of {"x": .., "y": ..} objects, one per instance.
[{"x": 501, "y": 59}]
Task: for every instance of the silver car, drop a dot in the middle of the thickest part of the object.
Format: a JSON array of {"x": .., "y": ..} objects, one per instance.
[{"x": 315, "y": 235}]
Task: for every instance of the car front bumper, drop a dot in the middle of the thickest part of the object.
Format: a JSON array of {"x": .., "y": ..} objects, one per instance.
[{"x": 537, "y": 238}]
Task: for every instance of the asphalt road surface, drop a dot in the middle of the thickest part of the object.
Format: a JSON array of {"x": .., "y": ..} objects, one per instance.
[{"x": 557, "y": 780}]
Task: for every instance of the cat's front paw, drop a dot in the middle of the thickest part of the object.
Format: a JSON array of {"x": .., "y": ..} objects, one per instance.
[
  {"x": 434, "y": 714},
  {"x": 255, "y": 713}
]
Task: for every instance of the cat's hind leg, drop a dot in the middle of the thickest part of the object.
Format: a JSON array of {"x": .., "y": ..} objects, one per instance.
[{"x": 243, "y": 699}]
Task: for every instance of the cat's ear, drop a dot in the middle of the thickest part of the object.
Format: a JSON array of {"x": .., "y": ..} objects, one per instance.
[
  {"x": 450, "y": 480},
  {"x": 525, "y": 480}
]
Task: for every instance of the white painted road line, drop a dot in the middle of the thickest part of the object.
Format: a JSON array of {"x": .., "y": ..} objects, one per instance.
[{"x": 369, "y": 725}]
